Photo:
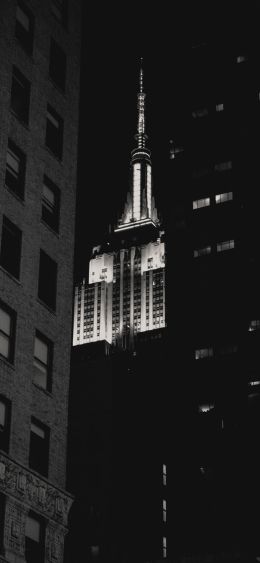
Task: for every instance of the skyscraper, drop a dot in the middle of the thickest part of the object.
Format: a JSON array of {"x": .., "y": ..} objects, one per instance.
[
  {"x": 125, "y": 293},
  {"x": 39, "y": 67}
]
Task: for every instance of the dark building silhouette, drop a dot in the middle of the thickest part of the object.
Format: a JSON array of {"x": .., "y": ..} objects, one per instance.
[{"x": 39, "y": 68}]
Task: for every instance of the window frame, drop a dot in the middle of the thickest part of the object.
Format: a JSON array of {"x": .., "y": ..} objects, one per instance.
[
  {"x": 55, "y": 145},
  {"x": 52, "y": 219},
  {"x": 5, "y": 428},
  {"x": 20, "y": 81},
  {"x": 49, "y": 365},
  {"x": 25, "y": 38},
  {"x": 12, "y": 314},
  {"x": 57, "y": 65},
  {"x": 10, "y": 229},
  {"x": 44, "y": 280},
  {"x": 39, "y": 461},
  {"x": 38, "y": 551},
  {"x": 18, "y": 183}
]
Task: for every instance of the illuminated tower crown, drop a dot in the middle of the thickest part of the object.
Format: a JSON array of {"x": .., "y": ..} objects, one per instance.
[{"x": 140, "y": 208}]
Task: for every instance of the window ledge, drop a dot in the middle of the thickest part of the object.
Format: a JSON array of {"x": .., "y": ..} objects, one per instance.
[
  {"x": 10, "y": 275},
  {"x": 7, "y": 362},
  {"x": 20, "y": 199},
  {"x": 47, "y": 307},
  {"x": 56, "y": 233},
  {"x": 17, "y": 117},
  {"x": 48, "y": 393}
]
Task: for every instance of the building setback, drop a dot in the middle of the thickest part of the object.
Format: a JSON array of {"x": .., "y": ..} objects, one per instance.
[{"x": 39, "y": 68}]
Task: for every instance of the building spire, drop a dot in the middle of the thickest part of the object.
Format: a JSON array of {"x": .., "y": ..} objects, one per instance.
[{"x": 141, "y": 135}]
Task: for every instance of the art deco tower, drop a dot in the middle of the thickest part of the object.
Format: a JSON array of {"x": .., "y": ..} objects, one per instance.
[{"x": 125, "y": 293}]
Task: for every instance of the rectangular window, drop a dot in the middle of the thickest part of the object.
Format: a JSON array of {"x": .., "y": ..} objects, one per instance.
[
  {"x": 15, "y": 169},
  {"x": 57, "y": 65},
  {"x": 202, "y": 251},
  {"x": 24, "y": 26},
  {"x": 205, "y": 407},
  {"x": 34, "y": 538},
  {"x": 164, "y": 474},
  {"x": 221, "y": 198},
  {"x": 20, "y": 95},
  {"x": 254, "y": 325},
  {"x": 47, "y": 280},
  {"x": 39, "y": 447},
  {"x": 43, "y": 349},
  {"x": 7, "y": 332},
  {"x": 219, "y": 107},
  {"x": 202, "y": 353},
  {"x": 54, "y": 132},
  {"x": 223, "y": 166},
  {"x": 5, "y": 411},
  {"x": 198, "y": 203},
  {"x": 164, "y": 510},
  {"x": 11, "y": 247},
  {"x": 59, "y": 10},
  {"x": 225, "y": 245},
  {"x": 241, "y": 59},
  {"x": 50, "y": 204},
  {"x": 164, "y": 547}
]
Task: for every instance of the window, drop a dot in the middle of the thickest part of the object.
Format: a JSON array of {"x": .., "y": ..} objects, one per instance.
[
  {"x": 225, "y": 245},
  {"x": 164, "y": 510},
  {"x": 50, "y": 204},
  {"x": 7, "y": 332},
  {"x": 241, "y": 59},
  {"x": 254, "y": 325},
  {"x": 223, "y": 166},
  {"x": 200, "y": 112},
  {"x": 20, "y": 95},
  {"x": 47, "y": 280},
  {"x": 57, "y": 67},
  {"x": 39, "y": 447},
  {"x": 54, "y": 132},
  {"x": 221, "y": 198},
  {"x": 59, "y": 10},
  {"x": 202, "y": 251},
  {"x": 42, "y": 361},
  {"x": 5, "y": 410},
  {"x": 164, "y": 474},
  {"x": 34, "y": 538},
  {"x": 198, "y": 203},
  {"x": 15, "y": 169},
  {"x": 205, "y": 407},
  {"x": 164, "y": 547},
  {"x": 24, "y": 26},
  {"x": 219, "y": 107},
  {"x": 11, "y": 247},
  {"x": 203, "y": 353}
]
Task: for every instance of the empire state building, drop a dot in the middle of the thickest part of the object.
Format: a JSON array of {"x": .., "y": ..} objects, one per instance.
[{"x": 125, "y": 291}]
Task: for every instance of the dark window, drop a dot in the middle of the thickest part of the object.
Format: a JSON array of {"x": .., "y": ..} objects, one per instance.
[
  {"x": 50, "y": 203},
  {"x": 59, "y": 10},
  {"x": 2, "y": 521},
  {"x": 15, "y": 169},
  {"x": 7, "y": 332},
  {"x": 5, "y": 410},
  {"x": 47, "y": 280},
  {"x": 39, "y": 447},
  {"x": 24, "y": 26},
  {"x": 20, "y": 95},
  {"x": 34, "y": 538},
  {"x": 57, "y": 68},
  {"x": 54, "y": 132},
  {"x": 42, "y": 361},
  {"x": 11, "y": 247}
]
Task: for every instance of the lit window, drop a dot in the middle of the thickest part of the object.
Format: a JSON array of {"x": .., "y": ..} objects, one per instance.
[
  {"x": 164, "y": 474},
  {"x": 174, "y": 151},
  {"x": 54, "y": 132},
  {"x": 164, "y": 510},
  {"x": 223, "y": 166},
  {"x": 15, "y": 169},
  {"x": 11, "y": 247},
  {"x": 198, "y": 203},
  {"x": 254, "y": 383},
  {"x": 20, "y": 95},
  {"x": 34, "y": 539},
  {"x": 241, "y": 59},
  {"x": 202, "y": 251},
  {"x": 254, "y": 325},
  {"x": 201, "y": 112},
  {"x": 42, "y": 361},
  {"x": 7, "y": 332},
  {"x": 50, "y": 203},
  {"x": 202, "y": 353},
  {"x": 24, "y": 26},
  {"x": 5, "y": 408},
  {"x": 221, "y": 198},
  {"x": 164, "y": 547},
  {"x": 206, "y": 407},
  {"x": 225, "y": 245},
  {"x": 219, "y": 107}
]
